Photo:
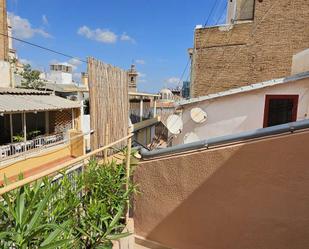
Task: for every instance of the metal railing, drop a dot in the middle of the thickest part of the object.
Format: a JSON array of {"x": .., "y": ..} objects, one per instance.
[
  {"x": 15, "y": 149},
  {"x": 70, "y": 165},
  {"x": 136, "y": 118}
]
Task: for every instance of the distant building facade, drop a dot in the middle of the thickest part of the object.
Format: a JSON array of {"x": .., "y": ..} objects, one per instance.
[
  {"x": 60, "y": 73},
  {"x": 185, "y": 91},
  {"x": 256, "y": 44}
]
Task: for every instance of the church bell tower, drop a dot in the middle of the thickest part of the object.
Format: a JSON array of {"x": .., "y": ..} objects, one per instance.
[{"x": 132, "y": 79}]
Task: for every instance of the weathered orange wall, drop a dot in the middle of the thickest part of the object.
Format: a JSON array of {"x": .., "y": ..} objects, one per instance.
[
  {"x": 247, "y": 196},
  {"x": 35, "y": 162}
]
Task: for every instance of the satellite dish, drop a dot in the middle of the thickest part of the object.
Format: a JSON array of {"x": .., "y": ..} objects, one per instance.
[
  {"x": 198, "y": 115},
  {"x": 190, "y": 138},
  {"x": 174, "y": 124}
]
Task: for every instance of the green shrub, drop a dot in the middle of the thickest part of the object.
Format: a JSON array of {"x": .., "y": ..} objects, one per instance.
[
  {"x": 24, "y": 219},
  {"x": 80, "y": 210}
]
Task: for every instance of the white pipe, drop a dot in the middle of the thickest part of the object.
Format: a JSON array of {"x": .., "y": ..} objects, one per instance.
[
  {"x": 141, "y": 110},
  {"x": 155, "y": 108},
  {"x": 240, "y": 137}
]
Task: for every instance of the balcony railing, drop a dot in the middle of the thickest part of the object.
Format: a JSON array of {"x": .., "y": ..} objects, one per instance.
[{"x": 15, "y": 149}]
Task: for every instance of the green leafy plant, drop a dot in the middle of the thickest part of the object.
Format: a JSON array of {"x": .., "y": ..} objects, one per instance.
[
  {"x": 24, "y": 219},
  {"x": 18, "y": 138},
  {"x": 78, "y": 210},
  {"x": 31, "y": 78},
  {"x": 30, "y": 135},
  {"x": 33, "y": 134},
  {"x": 104, "y": 205}
]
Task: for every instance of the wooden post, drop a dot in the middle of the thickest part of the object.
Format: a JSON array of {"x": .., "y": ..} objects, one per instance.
[
  {"x": 106, "y": 142},
  {"x": 141, "y": 111},
  {"x": 155, "y": 108},
  {"x": 11, "y": 127},
  {"x": 25, "y": 126},
  {"x": 47, "y": 122},
  {"x": 128, "y": 169},
  {"x": 73, "y": 119}
]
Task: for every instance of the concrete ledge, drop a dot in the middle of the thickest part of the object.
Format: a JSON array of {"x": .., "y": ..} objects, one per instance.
[{"x": 144, "y": 243}]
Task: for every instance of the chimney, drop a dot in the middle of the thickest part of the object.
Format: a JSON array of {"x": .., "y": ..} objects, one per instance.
[
  {"x": 85, "y": 79},
  {"x": 300, "y": 62}
]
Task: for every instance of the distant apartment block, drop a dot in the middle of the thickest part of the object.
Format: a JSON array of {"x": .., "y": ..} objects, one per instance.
[
  {"x": 257, "y": 44},
  {"x": 186, "y": 89}
]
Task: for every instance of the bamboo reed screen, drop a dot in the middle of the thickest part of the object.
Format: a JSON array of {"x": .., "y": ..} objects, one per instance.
[{"x": 109, "y": 103}]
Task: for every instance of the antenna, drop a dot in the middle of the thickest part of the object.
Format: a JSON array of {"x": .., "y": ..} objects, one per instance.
[
  {"x": 174, "y": 124},
  {"x": 198, "y": 115}
]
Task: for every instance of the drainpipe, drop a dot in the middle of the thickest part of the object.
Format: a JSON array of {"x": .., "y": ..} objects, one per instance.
[{"x": 219, "y": 141}]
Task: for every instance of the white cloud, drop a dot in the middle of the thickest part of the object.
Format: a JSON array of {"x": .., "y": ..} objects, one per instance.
[
  {"x": 140, "y": 61},
  {"x": 172, "y": 80},
  {"x": 104, "y": 35},
  {"x": 25, "y": 61},
  {"x": 75, "y": 63},
  {"x": 45, "y": 20},
  {"x": 126, "y": 37},
  {"x": 100, "y": 35},
  {"x": 141, "y": 75},
  {"x": 22, "y": 28}
]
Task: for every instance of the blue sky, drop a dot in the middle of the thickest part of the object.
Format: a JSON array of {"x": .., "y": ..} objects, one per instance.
[{"x": 154, "y": 33}]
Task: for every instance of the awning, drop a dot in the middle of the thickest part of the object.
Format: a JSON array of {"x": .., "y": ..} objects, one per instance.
[{"x": 29, "y": 103}]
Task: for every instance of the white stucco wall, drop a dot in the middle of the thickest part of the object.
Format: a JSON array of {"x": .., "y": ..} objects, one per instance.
[
  {"x": 239, "y": 112},
  {"x": 5, "y": 74},
  {"x": 60, "y": 77}
]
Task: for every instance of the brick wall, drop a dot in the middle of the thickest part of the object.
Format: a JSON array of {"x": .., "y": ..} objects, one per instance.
[
  {"x": 3, "y": 30},
  {"x": 250, "y": 52}
]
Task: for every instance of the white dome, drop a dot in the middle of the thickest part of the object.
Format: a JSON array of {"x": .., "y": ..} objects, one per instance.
[
  {"x": 166, "y": 94},
  {"x": 166, "y": 91}
]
